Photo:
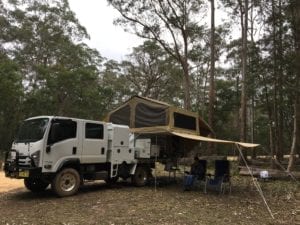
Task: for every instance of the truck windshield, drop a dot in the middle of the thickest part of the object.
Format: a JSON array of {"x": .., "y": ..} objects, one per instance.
[{"x": 32, "y": 130}]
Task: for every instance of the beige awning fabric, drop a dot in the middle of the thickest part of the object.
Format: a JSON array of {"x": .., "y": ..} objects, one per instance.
[{"x": 201, "y": 138}]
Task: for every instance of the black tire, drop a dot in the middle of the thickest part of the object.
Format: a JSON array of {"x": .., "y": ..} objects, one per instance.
[
  {"x": 140, "y": 177},
  {"x": 35, "y": 185},
  {"x": 66, "y": 182}
]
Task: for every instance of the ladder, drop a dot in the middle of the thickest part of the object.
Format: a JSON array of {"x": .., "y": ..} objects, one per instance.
[{"x": 114, "y": 169}]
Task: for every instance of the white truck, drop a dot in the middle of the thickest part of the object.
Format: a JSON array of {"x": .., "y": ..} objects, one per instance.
[{"x": 64, "y": 152}]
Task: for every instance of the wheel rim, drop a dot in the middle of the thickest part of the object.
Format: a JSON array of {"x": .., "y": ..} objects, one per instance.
[
  {"x": 67, "y": 182},
  {"x": 142, "y": 176}
]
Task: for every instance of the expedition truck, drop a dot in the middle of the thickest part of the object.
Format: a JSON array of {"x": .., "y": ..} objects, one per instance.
[{"x": 64, "y": 152}]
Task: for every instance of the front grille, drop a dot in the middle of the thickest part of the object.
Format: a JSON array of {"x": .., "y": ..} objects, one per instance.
[{"x": 24, "y": 161}]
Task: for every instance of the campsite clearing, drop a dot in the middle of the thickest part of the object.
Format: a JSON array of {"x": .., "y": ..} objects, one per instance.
[{"x": 97, "y": 203}]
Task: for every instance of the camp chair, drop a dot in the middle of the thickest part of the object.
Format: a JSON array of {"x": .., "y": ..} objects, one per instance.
[
  {"x": 221, "y": 179},
  {"x": 191, "y": 181}
]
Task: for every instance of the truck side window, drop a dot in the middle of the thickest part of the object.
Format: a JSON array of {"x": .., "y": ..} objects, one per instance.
[
  {"x": 62, "y": 130},
  {"x": 94, "y": 131}
]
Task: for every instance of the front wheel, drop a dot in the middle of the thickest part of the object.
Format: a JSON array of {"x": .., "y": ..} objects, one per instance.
[
  {"x": 66, "y": 182},
  {"x": 35, "y": 185}
]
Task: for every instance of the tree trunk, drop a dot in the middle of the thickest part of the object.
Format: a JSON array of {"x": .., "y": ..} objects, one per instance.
[
  {"x": 295, "y": 136},
  {"x": 211, "y": 102},
  {"x": 280, "y": 139},
  {"x": 185, "y": 64},
  {"x": 243, "y": 117},
  {"x": 187, "y": 84},
  {"x": 252, "y": 114},
  {"x": 274, "y": 122},
  {"x": 243, "y": 105}
]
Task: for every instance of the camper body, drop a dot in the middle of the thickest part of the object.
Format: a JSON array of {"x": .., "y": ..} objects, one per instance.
[{"x": 64, "y": 152}]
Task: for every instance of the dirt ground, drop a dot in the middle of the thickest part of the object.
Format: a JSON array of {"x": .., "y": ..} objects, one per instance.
[
  {"x": 7, "y": 184},
  {"x": 97, "y": 203}
]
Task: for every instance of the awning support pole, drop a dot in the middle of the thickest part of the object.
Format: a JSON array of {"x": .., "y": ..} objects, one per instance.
[{"x": 256, "y": 184}]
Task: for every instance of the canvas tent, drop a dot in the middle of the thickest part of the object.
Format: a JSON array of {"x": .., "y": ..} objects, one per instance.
[{"x": 144, "y": 115}]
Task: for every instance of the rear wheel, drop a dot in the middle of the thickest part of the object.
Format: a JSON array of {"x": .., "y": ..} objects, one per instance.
[
  {"x": 66, "y": 182},
  {"x": 140, "y": 176},
  {"x": 35, "y": 185}
]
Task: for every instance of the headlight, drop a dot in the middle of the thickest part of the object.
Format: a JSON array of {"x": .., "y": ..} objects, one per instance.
[
  {"x": 36, "y": 158},
  {"x": 11, "y": 156}
]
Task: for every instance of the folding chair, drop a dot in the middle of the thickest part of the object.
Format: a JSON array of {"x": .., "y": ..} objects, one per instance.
[
  {"x": 221, "y": 179},
  {"x": 171, "y": 167},
  {"x": 195, "y": 180}
]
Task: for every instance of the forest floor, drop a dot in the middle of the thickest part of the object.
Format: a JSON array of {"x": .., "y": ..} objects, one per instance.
[{"x": 97, "y": 203}]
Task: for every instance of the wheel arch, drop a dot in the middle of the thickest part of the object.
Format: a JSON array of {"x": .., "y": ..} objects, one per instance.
[{"x": 69, "y": 163}]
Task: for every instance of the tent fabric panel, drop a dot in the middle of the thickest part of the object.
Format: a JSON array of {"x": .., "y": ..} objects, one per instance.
[
  {"x": 201, "y": 138},
  {"x": 121, "y": 116},
  {"x": 150, "y": 100},
  {"x": 116, "y": 116},
  {"x": 147, "y": 115}
]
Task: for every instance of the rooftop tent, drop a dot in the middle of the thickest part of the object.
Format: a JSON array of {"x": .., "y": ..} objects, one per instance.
[{"x": 144, "y": 115}]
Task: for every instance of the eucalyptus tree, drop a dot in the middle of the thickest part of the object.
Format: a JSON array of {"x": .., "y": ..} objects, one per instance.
[
  {"x": 172, "y": 24},
  {"x": 211, "y": 102},
  {"x": 116, "y": 86},
  {"x": 294, "y": 9},
  {"x": 152, "y": 73},
  {"x": 11, "y": 95},
  {"x": 242, "y": 8}
]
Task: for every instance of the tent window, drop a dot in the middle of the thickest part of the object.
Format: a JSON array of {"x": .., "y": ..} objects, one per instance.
[
  {"x": 184, "y": 121},
  {"x": 147, "y": 116},
  {"x": 122, "y": 116}
]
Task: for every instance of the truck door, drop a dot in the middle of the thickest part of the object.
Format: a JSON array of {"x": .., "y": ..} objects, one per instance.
[
  {"x": 94, "y": 143},
  {"x": 62, "y": 143}
]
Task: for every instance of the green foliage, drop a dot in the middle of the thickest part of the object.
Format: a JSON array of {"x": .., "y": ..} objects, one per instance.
[
  {"x": 45, "y": 67},
  {"x": 11, "y": 94}
]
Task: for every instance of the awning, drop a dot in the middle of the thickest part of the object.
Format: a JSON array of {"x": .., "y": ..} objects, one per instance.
[{"x": 201, "y": 138}]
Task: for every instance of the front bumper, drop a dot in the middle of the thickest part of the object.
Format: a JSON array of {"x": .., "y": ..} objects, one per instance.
[
  {"x": 13, "y": 169},
  {"x": 22, "y": 172}
]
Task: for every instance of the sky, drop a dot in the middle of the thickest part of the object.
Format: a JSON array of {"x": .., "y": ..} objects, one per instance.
[
  {"x": 97, "y": 17},
  {"x": 110, "y": 40}
]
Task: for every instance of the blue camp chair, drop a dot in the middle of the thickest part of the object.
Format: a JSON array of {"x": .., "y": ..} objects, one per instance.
[{"x": 221, "y": 178}]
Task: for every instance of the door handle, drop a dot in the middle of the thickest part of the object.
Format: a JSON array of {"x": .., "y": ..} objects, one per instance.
[
  {"x": 102, "y": 150},
  {"x": 74, "y": 150}
]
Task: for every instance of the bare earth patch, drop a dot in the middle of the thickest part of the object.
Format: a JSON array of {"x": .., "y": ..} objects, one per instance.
[
  {"x": 98, "y": 203},
  {"x": 7, "y": 184}
]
